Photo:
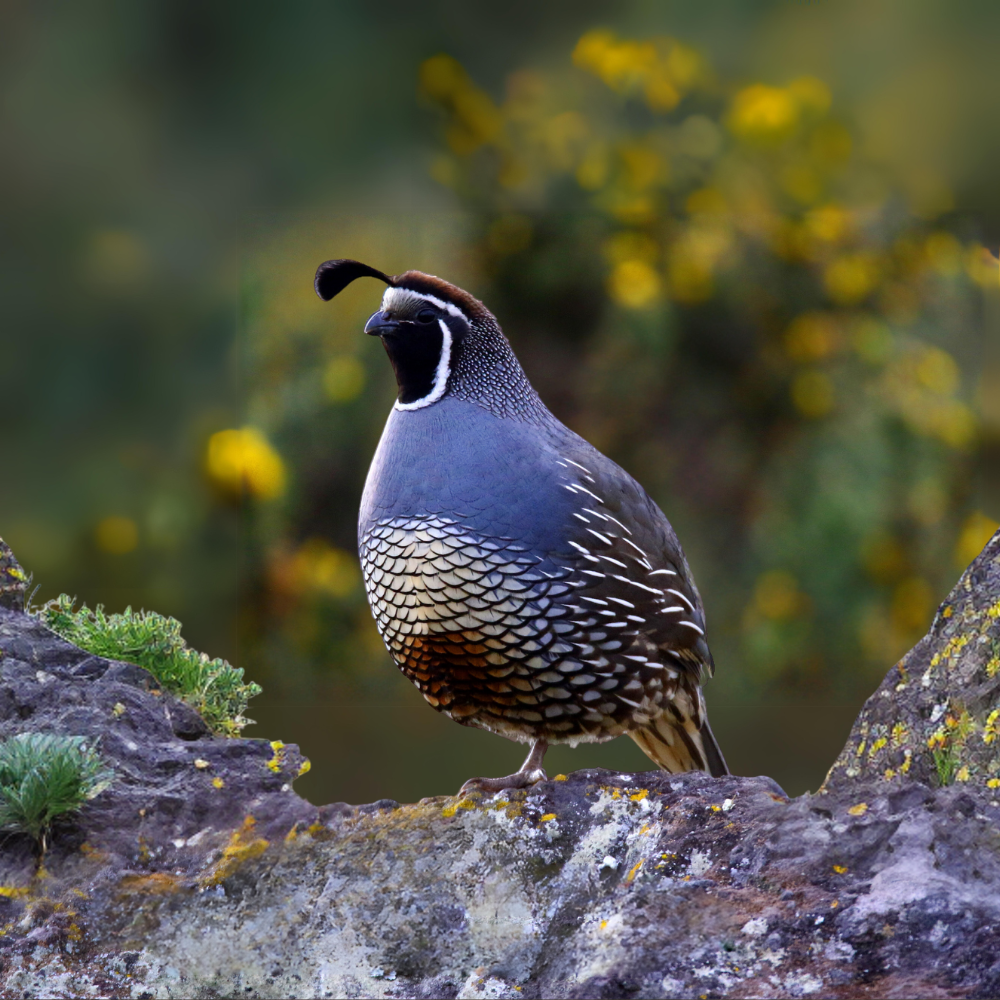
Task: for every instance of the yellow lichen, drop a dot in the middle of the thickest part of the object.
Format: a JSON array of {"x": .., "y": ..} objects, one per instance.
[
  {"x": 547, "y": 817},
  {"x": 450, "y": 811},
  {"x": 993, "y": 783},
  {"x": 962, "y": 773},
  {"x": 243, "y": 846},
  {"x": 876, "y": 746},
  {"x": 13, "y": 891},
  {"x": 278, "y": 760},
  {"x": 218, "y": 783},
  {"x": 899, "y": 733},
  {"x": 305, "y": 767},
  {"x": 859, "y": 810},
  {"x": 840, "y": 869},
  {"x": 889, "y": 774},
  {"x": 907, "y": 760},
  {"x": 155, "y": 884},
  {"x": 640, "y": 795},
  {"x": 635, "y": 871},
  {"x": 559, "y": 777}
]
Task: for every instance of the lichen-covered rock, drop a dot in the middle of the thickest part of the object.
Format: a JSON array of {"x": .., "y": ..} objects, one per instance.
[
  {"x": 13, "y": 580},
  {"x": 595, "y": 884},
  {"x": 936, "y": 716}
]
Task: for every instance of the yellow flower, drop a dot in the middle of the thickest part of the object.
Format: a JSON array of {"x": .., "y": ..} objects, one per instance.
[
  {"x": 763, "y": 112},
  {"x": 243, "y": 459},
  {"x": 634, "y": 284},
  {"x": 852, "y": 277}
]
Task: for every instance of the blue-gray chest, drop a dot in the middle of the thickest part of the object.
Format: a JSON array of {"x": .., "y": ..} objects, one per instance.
[{"x": 502, "y": 582}]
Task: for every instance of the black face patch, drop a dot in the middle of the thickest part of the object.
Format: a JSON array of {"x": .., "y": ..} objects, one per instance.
[{"x": 414, "y": 349}]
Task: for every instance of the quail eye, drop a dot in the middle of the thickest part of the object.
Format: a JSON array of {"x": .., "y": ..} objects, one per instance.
[{"x": 426, "y": 316}]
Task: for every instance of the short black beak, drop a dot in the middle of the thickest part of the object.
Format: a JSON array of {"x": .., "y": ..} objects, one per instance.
[{"x": 380, "y": 324}]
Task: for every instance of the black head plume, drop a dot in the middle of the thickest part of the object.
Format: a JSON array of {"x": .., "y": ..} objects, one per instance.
[{"x": 333, "y": 276}]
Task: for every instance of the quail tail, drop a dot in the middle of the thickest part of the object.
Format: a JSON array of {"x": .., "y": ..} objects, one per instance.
[{"x": 677, "y": 744}]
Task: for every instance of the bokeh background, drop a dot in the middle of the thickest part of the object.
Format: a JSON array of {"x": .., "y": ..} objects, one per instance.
[{"x": 743, "y": 247}]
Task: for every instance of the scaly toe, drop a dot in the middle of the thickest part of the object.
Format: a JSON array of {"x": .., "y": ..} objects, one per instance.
[{"x": 520, "y": 779}]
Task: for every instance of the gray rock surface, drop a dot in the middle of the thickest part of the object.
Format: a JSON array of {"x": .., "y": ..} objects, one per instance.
[{"x": 886, "y": 883}]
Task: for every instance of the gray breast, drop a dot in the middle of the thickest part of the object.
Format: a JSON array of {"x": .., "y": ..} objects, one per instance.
[{"x": 505, "y": 588}]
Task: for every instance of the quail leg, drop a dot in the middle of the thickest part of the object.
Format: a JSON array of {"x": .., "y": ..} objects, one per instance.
[{"x": 531, "y": 772}]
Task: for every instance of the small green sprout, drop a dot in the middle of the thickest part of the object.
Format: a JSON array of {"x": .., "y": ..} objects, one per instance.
[
  {"x": 214, "y": 688},
  {"x": 43, "y": 777}
]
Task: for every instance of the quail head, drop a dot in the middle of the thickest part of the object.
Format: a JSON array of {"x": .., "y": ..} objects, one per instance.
[{"x": 519, "y": 578}]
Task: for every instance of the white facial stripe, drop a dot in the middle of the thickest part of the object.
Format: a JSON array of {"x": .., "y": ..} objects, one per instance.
[
  {"x": 397, "y": 297},
  {"x": 440, "y": 376}
]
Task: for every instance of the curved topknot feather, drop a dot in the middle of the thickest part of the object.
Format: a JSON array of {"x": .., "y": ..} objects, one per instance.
[{"x": 333, "y": 276}]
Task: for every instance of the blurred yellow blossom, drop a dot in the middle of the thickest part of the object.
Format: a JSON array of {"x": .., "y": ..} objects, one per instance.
[
  {"x": 763, "y": 112},
  {"x": 343, "y": 378},
  {"x": 662, "y": 69},
  {"x": 239, "y": 459},
  {"x": 852, "y": 277},
  {"x": 976, "y": 531},
  {"x": 476, "y": 119},
  {"x": 117, "y": 535},
  {"x": 634, "y": 284},
  {"x": 317, "y": 565},
  {"x": 829, "y": 223},
  {"x": 812, "y": 393}
]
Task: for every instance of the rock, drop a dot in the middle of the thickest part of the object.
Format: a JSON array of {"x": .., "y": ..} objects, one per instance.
[
  {"x": 936, "y": 716},
  {"x": 595, "y": 884},
  {"x": 13, "y": 581}
]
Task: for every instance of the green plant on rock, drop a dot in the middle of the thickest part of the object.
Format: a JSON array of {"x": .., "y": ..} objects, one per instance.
[
  {"x": 213, "y": 687},
  {"x": 45, "y": 776}
]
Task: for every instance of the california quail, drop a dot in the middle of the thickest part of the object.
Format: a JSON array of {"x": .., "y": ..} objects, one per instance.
[{"x": 524, "y": 582}]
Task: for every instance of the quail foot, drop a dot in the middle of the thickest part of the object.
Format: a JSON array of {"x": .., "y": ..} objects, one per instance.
[{"x": 522, "y": 581}]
